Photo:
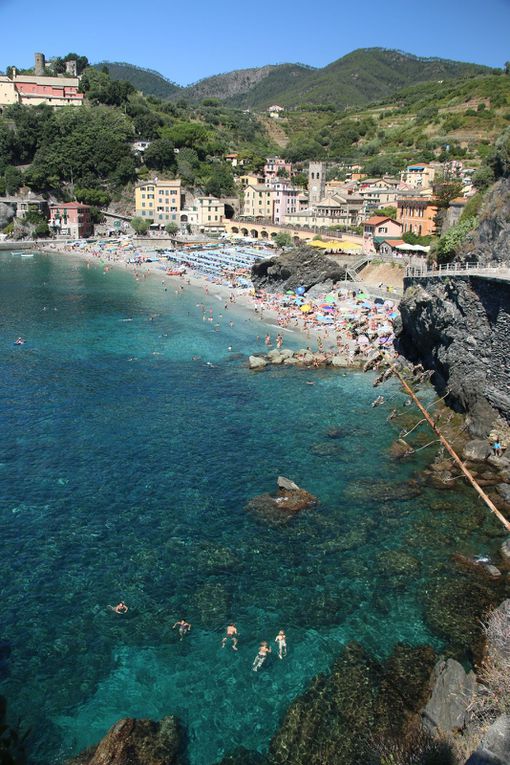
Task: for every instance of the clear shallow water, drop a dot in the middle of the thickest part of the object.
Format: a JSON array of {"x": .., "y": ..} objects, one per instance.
[{"x": 125, "y": 467}]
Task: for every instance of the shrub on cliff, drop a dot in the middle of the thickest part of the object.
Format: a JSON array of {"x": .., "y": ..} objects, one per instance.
[{"x": 448, "y": 246}]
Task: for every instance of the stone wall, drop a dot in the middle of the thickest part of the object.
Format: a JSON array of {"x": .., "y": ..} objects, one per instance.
[{"x": 460, "y": 328}]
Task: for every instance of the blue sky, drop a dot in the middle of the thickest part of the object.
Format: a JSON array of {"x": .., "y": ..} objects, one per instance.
[{"x": 189, "y": 40}]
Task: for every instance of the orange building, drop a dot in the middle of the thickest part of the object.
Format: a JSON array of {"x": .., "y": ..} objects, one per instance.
[{"x": 417, "y": 214}]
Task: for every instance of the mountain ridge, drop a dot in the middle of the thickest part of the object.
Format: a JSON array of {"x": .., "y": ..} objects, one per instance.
[{"x": 361, "y": 76}]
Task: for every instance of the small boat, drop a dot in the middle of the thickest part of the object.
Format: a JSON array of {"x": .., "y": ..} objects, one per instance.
[
  {"x": 27, "y": 254},
  {"x": 175, "y": 271}
]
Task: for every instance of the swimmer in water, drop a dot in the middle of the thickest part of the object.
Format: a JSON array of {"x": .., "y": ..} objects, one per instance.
[
  {"x": 264, "y": 650},
  {"x": 120, "y": 608},
  {"x": 184, "y": 628},
  {"x": 20, "y": 341},
  {"x": 281, "y": 640},
  {"x": 231, "y": 634}
]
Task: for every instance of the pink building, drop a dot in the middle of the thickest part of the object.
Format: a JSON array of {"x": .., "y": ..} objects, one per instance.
[
  {"x": 70, "y": 219},
  {"x": 284, "y": 198},
  {"x": 275, "y": 165},
  {"x": 378, "y": 225}
]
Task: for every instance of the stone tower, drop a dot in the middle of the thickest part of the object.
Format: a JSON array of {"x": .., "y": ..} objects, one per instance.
[
  {"x": 71, "y": 67},
  {"x": 40, "y": 65},
  {"x": 316, "y": 182}
]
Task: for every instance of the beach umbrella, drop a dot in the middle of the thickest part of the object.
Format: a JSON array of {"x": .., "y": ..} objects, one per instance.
[
  {"x": 300, "y": 291},
  {"x": 306, "y": 308},
  {"x": 379, "y": 301},
  {"x": 330, "y": 299},
  {"x": 289, "y": 292},
  {"x": 299, "y": 301}
]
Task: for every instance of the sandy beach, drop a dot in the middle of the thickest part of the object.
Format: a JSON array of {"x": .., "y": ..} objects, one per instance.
[{"x": 348, "y": 322}]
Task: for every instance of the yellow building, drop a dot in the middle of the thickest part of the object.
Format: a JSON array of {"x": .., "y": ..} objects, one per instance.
[
  {"x": 159, "y": 200},
  {"x": 249, "y": 180},
  {"x": 257, "y": 202},
  {"x": 206, "y": 214},
  {"x": 8, "y": 93},
  {"x": 419, "y": 176}
]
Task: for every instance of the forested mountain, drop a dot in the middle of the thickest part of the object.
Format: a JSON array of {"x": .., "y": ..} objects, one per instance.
[
  {"x": 362, "y": 76},
  {"x": 238, "y": 86},
  {"x": 147, "y": 81}
]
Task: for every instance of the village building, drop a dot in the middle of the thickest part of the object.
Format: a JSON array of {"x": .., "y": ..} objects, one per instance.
[
  {"x": 382, "y": 226},
  {"x": 159, "y": 201},
  {"x": 417, "y": 213},
  {"x": 71, "y": 220},
  {"x": 234, "y": 159},
  {"x": 316, "y": 182},
  {"x": 250, "y": 179},
  {"x": 285, "y": 201},
  {"x": 35, "y": 89},
  {"x": 257, "y": 202},
  {"x": 418, "y": 176},
  {"x": 140, "y": 146},
  {"x": 276, "y": 168},
  {"x": 275, "y": 111},
  {"x": 206, "y": 214},
  {"x": 376, "y": 197}
]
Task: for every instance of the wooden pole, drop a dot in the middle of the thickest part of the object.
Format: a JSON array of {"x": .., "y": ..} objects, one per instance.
[{"x": 490, "y": 504}]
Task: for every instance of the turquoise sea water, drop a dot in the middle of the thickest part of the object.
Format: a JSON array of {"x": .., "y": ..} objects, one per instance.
[{"x": 132, "y": 440}]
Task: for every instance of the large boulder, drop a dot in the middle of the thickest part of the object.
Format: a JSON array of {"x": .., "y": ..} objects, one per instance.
[
  {"x": 137, "y": 742},
  {"x": 257, "y": 362},
  {"x": 279, "y": 508},
  {"x": 453, "y": 688},
  {"x": 302, "y": 266},
  {"x": 494, "y": 748},
  {"x": 476, "y": 450}
]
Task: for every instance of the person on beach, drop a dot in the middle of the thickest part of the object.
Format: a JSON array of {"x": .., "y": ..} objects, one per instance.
[
  {"x": 264, "y": 650},
  {"x": 184, "y": 628},
  {"x": 231, "y": 634},
  {"x": 120, "y": 608},
  {"x": 281, "y": 641}
]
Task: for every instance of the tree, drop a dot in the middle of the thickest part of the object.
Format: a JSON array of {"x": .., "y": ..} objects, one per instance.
[
  {"x": 13, "y": 180},
  {"x": 507, "y": 67},
  {"x": 171, "y": 228},
  {"x": 41, "y": 230},
  {"x": 220, "y": 182},
  {"x": 283, "y": 239},
  {"x": 449, "y": 244},
  {"x": 140, "y": 225},
  {"x": 389, "y": 212},
  {"x": 94, "y": 197},
  {"x": 160, "y": 155}
]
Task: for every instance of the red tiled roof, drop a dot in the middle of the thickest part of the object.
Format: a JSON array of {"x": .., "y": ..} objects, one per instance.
[{"x": 378, "y": 219}]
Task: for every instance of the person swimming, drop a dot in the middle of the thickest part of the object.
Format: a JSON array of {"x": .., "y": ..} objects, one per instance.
[
  {"x": 231, "y": 634},
  {"x": 120, "y": 608},
  {"x": 20, "y": 341},
  {"x": 184, "y": 628},
  {"x": 281, "y": 640},
  {"x": 264, "y": 650}
]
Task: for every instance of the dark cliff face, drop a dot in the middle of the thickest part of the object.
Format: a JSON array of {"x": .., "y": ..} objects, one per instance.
[
  {"x": 490, "y": 243},
  {"x": 460, "y": 327}
]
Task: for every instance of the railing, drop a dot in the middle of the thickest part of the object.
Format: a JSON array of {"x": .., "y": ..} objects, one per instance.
[{"x": 457, "y": 269}]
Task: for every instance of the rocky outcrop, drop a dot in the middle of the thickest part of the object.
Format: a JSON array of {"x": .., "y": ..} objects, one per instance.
[
  {"x": 490, "y": 243},
  {"x": 460, "y": 328},
  {"x": 453, "y": 688},
  {"x": 495, "y": 745},
  {"x": 279, "y": 508},
  {"x": 299, "y": 267},
  {"x": 137, "y": 742}
]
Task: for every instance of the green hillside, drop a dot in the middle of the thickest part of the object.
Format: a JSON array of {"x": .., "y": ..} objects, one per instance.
[
  {"x": 363, "y": 76},
  {"x": 147, "y": 81},
  {"x": 415, "y": 123}
]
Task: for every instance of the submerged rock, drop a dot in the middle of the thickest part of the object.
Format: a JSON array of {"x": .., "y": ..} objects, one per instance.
[
  {"x": 137, "y": 742},
  {"x": 342, "y": 714}
]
